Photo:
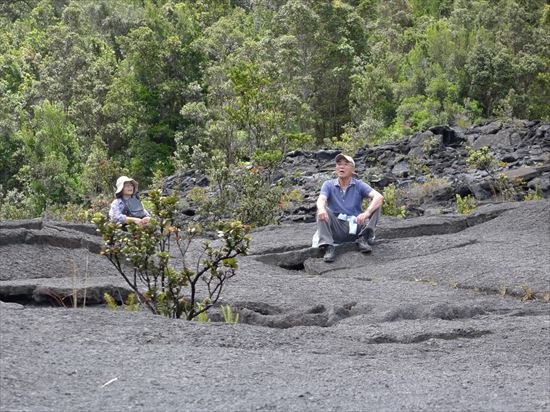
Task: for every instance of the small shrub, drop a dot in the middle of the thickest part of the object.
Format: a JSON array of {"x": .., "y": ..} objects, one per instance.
[
  {"x": 170, "y": 290},
  {"x": 428, "y": 145},
  {"x": 259, "y": 202},
  {"x": 417, "y": 166},
  {"x": 66, "y": 213},
  {"x": 288, "y": 198},
  {"x": 101, "y": 204},
  {"x": 528, "y": 293},
  {"x": 465, "y": 205},
  {"x": 534, "y": 194},
  {"x": 481, "y": 159},
  {"x": 506, "y": 188},
  {"x": 246, "y": 192},
  {"x": 390, "y": 207},
  {"x": 16, "y": 204},
  {"x": 131, "y": 304}
]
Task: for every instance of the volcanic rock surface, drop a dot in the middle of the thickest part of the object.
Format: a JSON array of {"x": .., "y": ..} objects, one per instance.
[{"x": 448, "y": 312}]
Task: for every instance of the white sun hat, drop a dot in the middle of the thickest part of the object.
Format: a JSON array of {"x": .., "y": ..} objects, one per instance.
[
  {"x": 120, "y": 184},
  {"x": 347, "y": 158}
]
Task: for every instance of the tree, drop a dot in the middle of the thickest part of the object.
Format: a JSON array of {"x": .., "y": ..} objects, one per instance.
[
  {"x": 149, "y": 89},
  {"x": 51, "y": 157}
]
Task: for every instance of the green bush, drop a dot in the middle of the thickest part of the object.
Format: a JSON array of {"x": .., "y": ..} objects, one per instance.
[
  {"x": 16, "y": 204},
  {"x": 258, "y": 201},
  {"x": 501, "y": 186},
  {"x": 481, "y": 159},
  {"x": 391, "y": 206},
  {"x": 246, "y": 192},
  {"x": 186, "y": 289},
  {"x": 202, "y": 315},
  {"x": 67, "y": 213},
  {"x": 417, "y": 193},
  {"x": 465, "y": 205},
  {"x": 506, "y": 187},
  {"x": 534, "y": 194}
]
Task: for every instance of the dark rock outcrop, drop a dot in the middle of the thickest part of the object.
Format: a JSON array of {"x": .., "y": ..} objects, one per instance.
[{"x": 430, "y": 167}]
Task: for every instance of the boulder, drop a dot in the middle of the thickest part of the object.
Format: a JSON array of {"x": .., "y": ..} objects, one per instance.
[
  {"x": 437, "y": 152},
  {"x": 449, "y": 137},
  {"x": 497, "y": 140},
  {"x": 524, "y": 173}
]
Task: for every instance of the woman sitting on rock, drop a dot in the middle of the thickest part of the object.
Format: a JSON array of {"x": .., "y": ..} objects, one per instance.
[{"x": 127, "y": 207}]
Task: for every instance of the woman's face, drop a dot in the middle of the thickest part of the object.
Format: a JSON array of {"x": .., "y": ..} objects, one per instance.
[{"x": 128, "y": 189}]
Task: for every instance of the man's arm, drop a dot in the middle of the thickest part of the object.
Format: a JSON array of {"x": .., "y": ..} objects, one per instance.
[
  {"x": 322, "y": 213},
  {"x": 376, "y": 201}
]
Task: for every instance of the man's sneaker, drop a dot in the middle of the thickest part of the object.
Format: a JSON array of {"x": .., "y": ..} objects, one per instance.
[
  {"x": 330, "y": 253},
  {"x": 369, "y": 235},
  {"x": 364, "y": 246}
]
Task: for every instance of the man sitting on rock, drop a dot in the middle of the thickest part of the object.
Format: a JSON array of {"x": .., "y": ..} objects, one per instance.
[{"x": 339, "y": 211}]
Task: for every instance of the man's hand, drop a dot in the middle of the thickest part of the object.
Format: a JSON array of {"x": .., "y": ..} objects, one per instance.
[
  {"x": 323, "y": 215},
  {"x": 362, "y": 218}
]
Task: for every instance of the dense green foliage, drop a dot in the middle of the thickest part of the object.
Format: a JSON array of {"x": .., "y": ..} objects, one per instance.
[{"x": 92, "y": 89}]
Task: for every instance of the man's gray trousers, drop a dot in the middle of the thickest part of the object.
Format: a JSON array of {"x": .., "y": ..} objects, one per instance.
[{"x": 338, "y": 231}]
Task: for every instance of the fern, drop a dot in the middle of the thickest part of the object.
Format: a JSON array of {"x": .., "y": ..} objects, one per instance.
[
  {"x": 110, "y": 301},
  {"x": 202, "y": 316},
  {"x": 228, "y": 315}
]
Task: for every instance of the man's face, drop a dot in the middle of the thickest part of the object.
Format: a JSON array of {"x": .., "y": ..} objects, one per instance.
[{"x": 344, "y": 169}]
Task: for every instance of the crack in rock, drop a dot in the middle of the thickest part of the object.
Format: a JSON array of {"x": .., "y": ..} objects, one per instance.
[
  {"x": 512, "y": 292},
  {"x": 68, "y": 236},
  {"x": 269, "y": 316},
  {"x": 32, "y": 295},
  {"x": 442, "y": 311},
  {"x": 465, "y": 243},
  {"x": 261, "y": 314},
  {"x": 469, "y": 333}
]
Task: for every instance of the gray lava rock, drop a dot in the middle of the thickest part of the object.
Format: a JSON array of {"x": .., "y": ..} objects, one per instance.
[{"x": 437, "y": 294}]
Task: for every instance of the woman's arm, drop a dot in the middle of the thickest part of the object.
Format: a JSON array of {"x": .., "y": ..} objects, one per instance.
[
  {"x": 115, "y": 212},
  {"x": 116, "y": 215}
]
